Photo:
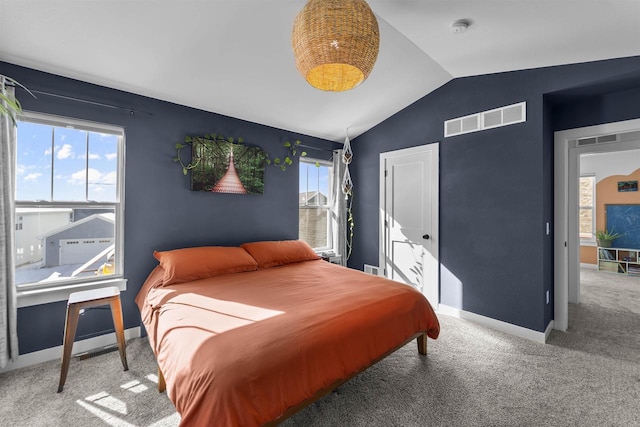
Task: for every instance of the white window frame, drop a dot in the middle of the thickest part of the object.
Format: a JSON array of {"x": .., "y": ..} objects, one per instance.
[
  {"x": 330, "y": 196},
  {"x": 30, "y": 294},
  {"x": 589, "y": 240}
]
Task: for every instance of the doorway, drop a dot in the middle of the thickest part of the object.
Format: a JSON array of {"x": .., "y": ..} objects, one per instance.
[
  {"x": 409, "y": 237},
  {"x": 569, "y": 146}
]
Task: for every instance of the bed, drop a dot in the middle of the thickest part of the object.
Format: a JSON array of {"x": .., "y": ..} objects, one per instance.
[{"x": 249, "y": 335}]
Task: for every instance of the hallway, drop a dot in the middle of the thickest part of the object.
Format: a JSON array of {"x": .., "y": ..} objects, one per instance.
[{"x": 607, "y": 321}]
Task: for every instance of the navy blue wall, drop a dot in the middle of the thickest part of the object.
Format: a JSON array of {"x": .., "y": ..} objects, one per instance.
[
  {"x": 161, "y": 212},
  {"x": 496, "y": 186}
]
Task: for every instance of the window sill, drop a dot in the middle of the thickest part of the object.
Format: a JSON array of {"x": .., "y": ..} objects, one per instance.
[
  {"x": 329, "y": 255},
  {"x": 30, "y": 297},
  {"x": 588, "y": 243}
]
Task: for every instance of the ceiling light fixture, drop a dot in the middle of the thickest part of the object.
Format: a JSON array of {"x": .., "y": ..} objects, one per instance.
[{"x": 335, "y": 43}]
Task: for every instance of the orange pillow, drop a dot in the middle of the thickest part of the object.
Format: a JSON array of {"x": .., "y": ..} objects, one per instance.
[
  {"x": 272, "y": 254},
  {"x": 185, "y": 265}
]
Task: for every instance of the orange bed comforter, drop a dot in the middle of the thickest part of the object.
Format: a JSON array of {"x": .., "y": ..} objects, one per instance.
[{"x": 240, "y": 349}]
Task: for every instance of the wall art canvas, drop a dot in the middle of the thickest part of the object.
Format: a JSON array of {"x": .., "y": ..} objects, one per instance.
[
  {"x": 627, "y": 185},
  {"x": 624, "y": 219},
  {"x": 226, "y": 167}
]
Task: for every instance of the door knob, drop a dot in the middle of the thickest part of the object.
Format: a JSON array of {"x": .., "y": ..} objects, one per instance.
[{"x": 426, "y": 236}]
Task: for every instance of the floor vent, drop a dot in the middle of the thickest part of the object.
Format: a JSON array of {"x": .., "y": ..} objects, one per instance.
[
  {"x": 372, "y": 269},
  {"x": 503, "y": 116},
  {"x": 97, "y": 352}
]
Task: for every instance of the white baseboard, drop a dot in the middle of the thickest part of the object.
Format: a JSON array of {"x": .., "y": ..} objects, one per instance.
[
  {"x": 547, "y": 331},
  {"x": 52, "y": 353},
  {"x": 498, "y": 325},
  {"x": 591, "y": 266}
]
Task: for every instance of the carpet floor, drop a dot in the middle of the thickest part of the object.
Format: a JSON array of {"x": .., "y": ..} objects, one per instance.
[{"x": 472, "y": 376}]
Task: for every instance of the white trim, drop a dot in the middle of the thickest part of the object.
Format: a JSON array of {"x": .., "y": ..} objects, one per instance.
[
  {"x": 547, "y": 331},
  {"x": 70, "y": 122},
  {"x": 590, "y": 266},
  {"x": 82, "y": 346},
  {"x": 519, "y": 331},
  {"x": 566, "y": 172},
  {"x": 30, "y": 296}
]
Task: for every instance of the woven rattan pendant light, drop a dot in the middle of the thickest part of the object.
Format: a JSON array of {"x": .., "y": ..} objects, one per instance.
[{"x": 335, "y": 43}]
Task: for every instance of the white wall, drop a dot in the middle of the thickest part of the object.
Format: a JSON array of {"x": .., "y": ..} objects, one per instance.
[{"x": 607, "y": 164}]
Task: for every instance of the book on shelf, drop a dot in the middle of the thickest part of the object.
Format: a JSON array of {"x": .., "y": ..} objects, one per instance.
[
  {"x": 633, "y": 268},
  {"x": 605, "y": 254}
]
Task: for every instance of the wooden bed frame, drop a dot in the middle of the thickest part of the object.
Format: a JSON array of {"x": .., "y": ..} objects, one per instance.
[{"x": 422, "y": 350}]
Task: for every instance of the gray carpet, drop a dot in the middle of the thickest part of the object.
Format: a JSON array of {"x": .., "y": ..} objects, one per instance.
[{"x": 472, "y": 376}]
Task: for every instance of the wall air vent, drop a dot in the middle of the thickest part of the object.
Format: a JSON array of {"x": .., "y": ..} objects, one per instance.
[
  {"x": 604, "y": 139},
  {"x": 503, "y": 116}
]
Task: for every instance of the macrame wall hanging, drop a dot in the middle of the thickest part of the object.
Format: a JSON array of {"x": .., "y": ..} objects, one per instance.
[
  {"x": 347, "y": 190},
  {"x": 347, "y": 156}
]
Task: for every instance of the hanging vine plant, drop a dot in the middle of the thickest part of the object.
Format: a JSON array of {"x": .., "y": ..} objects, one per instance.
[
  {"x": 292, "y": 151},
  {"x": 350, "y": 226}
]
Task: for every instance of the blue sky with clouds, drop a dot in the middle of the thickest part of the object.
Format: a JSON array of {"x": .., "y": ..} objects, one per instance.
[{"x": 45, "y": 151}]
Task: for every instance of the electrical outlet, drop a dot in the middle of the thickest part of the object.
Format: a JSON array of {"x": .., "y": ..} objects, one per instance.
[{"x": 547, "y": 297}]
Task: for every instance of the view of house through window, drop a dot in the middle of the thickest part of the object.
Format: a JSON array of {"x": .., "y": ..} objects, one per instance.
[
  {"x": 315, "y": 198},
  {"x": 587, "y": 203},
  {"x": 68, "y": 207}
]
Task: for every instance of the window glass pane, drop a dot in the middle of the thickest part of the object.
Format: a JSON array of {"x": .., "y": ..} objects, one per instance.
[
  {"x": 586, "y": 223},
  {"x": 33, "y": 161},
  {"x": 313, "y": 227},
  {"x": 586, "y": 191},
  {"x": 586, "y": 200},
  {"x": 315, "y": 184},
  {"x": 69, "y": 164},
  {"x": 324, "y": 175},
  {"x": 62, "y": 165},
  {"x": 56, "y": 244},
  {"x": 103, "y": 166}
]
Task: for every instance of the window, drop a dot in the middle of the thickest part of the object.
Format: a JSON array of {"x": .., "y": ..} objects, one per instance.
[
  {"x": 586, "y": 194},
  {"x": 315, "y": 200},
  {"x": 69, "y": 176}
]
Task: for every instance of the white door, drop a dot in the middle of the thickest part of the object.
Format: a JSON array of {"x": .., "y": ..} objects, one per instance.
[{"x": 409, "y": 218}]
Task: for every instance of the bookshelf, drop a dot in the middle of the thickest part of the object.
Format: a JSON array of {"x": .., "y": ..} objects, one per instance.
[{"x": 619, "y": 260}]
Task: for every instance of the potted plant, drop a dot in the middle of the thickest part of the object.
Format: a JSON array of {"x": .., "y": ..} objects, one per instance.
[{"x": 606, "y": 237}]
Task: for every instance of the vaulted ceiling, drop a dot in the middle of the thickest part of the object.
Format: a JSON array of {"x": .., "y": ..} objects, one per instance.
[{"x": 234, "y": 57}]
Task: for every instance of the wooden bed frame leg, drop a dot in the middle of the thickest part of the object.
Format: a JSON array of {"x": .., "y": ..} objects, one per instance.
[
  {"x": 422, "y": 344},
  {"x": 162, "y": 386}
]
